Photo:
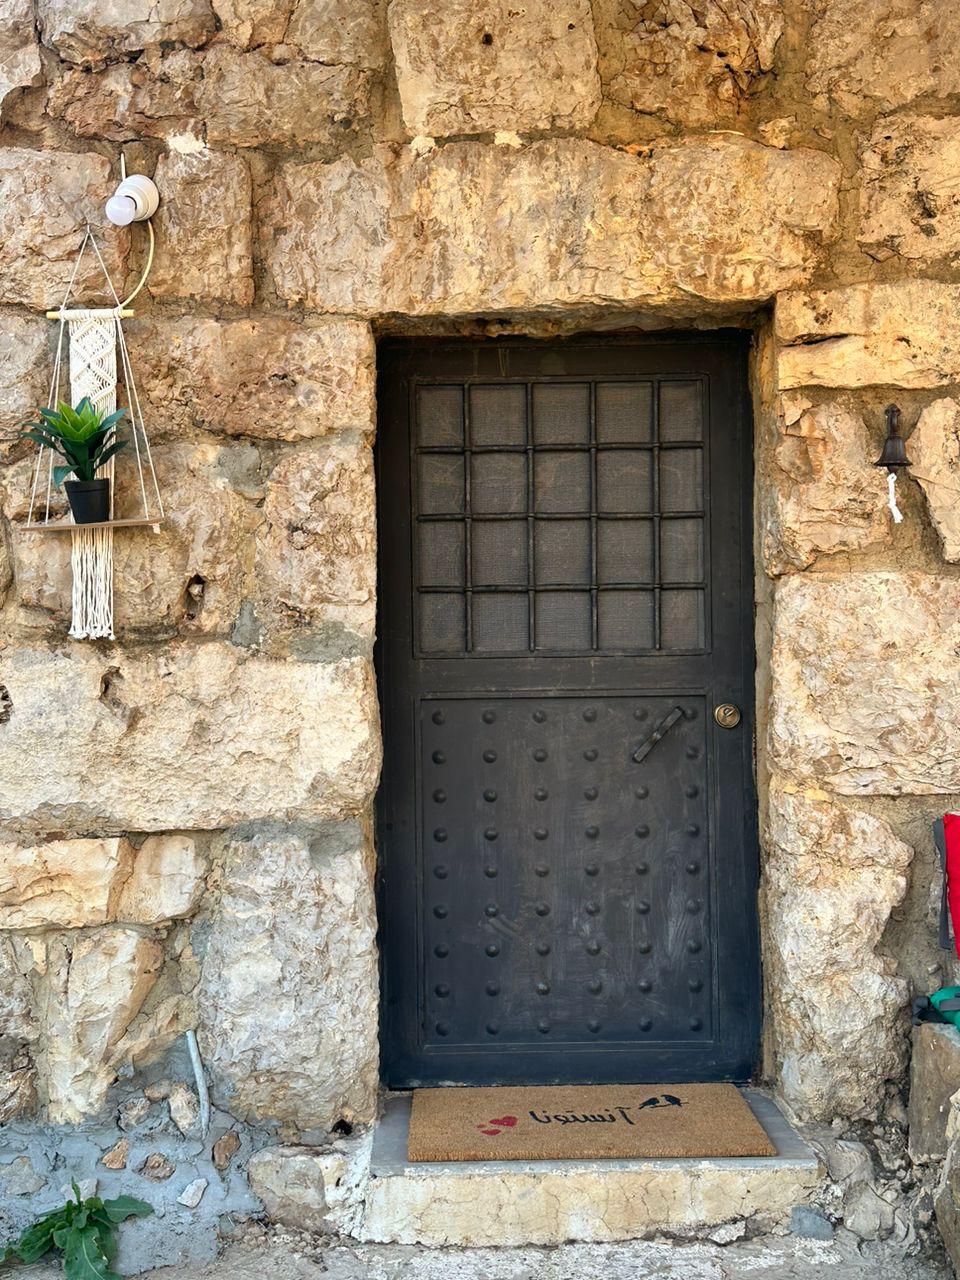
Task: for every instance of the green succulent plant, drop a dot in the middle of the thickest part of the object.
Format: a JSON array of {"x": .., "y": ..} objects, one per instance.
[
  {"x": 83, "y": 437},
  {"x": 83, "y": 1231}
]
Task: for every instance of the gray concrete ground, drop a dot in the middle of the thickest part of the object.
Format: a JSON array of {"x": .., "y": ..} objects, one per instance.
[{"x": 780, "y": 1258}]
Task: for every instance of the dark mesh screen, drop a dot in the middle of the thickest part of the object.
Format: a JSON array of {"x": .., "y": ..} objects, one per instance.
[
  {"x": 563, "y": 620},
  {"x": 499, "y": 553},
  {"x": 562, "y": 482},
  {"x": 551, "y": 485},
  {"x": 500, "y": 621},
  {"x": 441, "y": 484},
  {"x": 562, "y": 553},
  {"x": 442, "y": 626},
  {"x": 625, "y": 551},
  {"x": 625, "y": 480},
  {"x": 499, "y": 483},
  {"x": 681, "y": 551},
  {"x": 626, "y": 619},
  {"x": 624, "y": 412},
  {"x": 681, "y": 619},
  {"x": 681, "y": 414},
  {"x": 681, "y": 480},
  {"x": 561, "y": 413},
  {"x": 441, "y": 553},
  {"x": 440, "y": 416},
  {"x": 498, "y": 416}
]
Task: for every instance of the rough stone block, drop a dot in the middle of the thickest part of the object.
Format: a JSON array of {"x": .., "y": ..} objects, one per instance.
[
  {"x": 340, "y": 31},
  {"x": 316, "y": 550},
  {"x": 291, "y": 1182},
  {"x": 864, "y": 52},
  {"x": 92, "y": 32},
  {"x": 289, "y": 993},
  {"x": 76, "y": 883},
  {"x": 832, "y": 877},
  {"x": 909, "y": 204},
  {"x": 246, "y": 100},
  {"x": 935, "y": 454},
  {"x": 464, "y": 69},
  {"x": 268, "y": 378},
  {"x": 46, "y": 198},
  {"x": 69, "y": 883},
  {"x": 866, "y": 673},
  {"x": 203, "y": 224},
  {"x": 197, "y": 737},
  {"x": 250, "y": 23},
  {"x": 25, "y": 365},
  {"x": 314, "y": 1190},
  {"x": 824, "y": 495},
  {"x": 165, "y": 883},
  {"x": 934, "y": 1079},
  {"x": 713, "y": 220},
  {"x": 88, "y": 989},
  {"x": 904, "y": 334},
  {"x": 130, "y": 100},
  {"x": 19, "y": 51},
  {"x": 18, "y": 1034},
  {"x": 947, "y": 1208},
  {"x": 694, "y": 64}
]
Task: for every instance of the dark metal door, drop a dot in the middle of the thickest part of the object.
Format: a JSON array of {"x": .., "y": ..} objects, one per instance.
[{"x": 566, "y": 837}]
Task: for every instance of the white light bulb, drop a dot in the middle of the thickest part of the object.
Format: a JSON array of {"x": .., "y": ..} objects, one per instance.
[{"x": 121, "y": 210}]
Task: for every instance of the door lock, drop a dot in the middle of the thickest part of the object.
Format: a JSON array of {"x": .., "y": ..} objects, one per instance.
[{"x": 727, "y": 715}]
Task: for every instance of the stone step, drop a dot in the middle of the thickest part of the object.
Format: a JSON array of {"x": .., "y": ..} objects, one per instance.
[{"x": 551, "y": 1201}]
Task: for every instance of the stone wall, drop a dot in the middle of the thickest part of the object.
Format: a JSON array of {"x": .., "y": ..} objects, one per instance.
[{"x": 187, "y": 811}]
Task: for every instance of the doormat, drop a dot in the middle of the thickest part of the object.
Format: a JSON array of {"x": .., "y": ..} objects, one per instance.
[{"x": 588, "y": 1122}]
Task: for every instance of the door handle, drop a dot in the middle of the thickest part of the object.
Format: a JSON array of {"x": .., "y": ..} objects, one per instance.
[
  {"x": 727, "y": 715},
  {"x": 660, "y": 732}
]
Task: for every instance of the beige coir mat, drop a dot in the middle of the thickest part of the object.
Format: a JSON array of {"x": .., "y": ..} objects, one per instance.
[{"x": 575, "y": 1122}]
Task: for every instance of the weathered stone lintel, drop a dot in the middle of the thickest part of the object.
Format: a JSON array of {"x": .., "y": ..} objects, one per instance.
[{"x": 471, "y": 227}]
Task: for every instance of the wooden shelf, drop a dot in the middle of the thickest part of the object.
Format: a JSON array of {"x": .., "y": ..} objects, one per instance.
[{"x": 66, "y": 526}]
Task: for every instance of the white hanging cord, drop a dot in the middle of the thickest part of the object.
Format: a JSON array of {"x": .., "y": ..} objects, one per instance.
[
  {"x": 134, "y": 431},
  {"x": 52, "y": 404},
  {"x": 136, "y": 417},
  {"x": 87, "y": 235},
  {"x": 103, "y": 268},
  {"x": 892, "y": 497},
  {"x": 146, "y": 270}
]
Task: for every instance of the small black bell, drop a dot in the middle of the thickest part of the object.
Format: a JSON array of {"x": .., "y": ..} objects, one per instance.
[{"x": 894, "y": 447}]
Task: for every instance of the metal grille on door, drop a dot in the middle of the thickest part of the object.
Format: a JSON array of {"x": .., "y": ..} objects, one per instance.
[{"x": 560, "y": 517}]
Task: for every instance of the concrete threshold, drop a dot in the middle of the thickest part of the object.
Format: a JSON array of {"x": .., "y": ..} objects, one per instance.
[{"x": 514, "y": 1202}]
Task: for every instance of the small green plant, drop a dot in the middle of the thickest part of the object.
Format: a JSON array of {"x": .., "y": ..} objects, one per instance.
[
  {"x": 83, "y": 1231},
  {"x": 82, "y": 436}
]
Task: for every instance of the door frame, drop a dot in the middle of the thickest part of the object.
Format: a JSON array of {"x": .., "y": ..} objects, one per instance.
[{"x": 738, "y": 343}]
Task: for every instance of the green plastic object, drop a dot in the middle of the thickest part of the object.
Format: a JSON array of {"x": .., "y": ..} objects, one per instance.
[{"x": 946, "y": 1001}]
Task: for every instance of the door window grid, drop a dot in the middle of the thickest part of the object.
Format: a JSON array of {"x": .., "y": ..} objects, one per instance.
[{"x": 639, "y": 473}]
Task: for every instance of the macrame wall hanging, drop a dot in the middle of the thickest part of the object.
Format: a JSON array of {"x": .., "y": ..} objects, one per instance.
[{"x": 95, "y": 339}]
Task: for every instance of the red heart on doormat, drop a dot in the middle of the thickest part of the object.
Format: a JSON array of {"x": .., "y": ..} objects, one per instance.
[{"x": 503, "y": 1122}]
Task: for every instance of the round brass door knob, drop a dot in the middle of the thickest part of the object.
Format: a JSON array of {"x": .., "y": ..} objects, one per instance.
[{"x": 727, "y": 715}]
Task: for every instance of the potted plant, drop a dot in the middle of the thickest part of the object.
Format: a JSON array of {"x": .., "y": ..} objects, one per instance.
[{"x": 86, "y": 440}]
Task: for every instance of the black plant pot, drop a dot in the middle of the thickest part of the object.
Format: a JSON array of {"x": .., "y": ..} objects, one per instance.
[{"x": 89, "y": 500}]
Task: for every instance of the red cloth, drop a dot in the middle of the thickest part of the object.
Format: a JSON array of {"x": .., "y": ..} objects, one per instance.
[{"x": 951, "y": 835}]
